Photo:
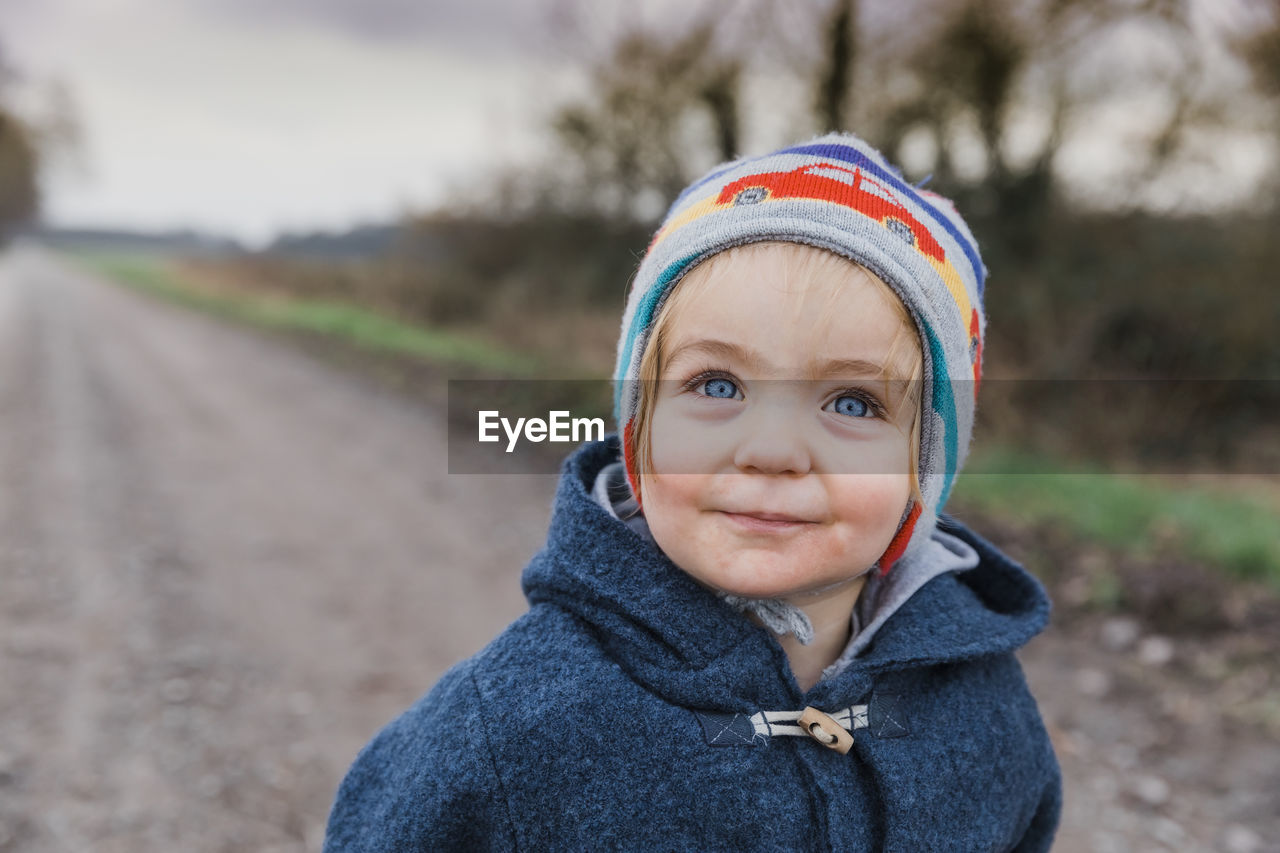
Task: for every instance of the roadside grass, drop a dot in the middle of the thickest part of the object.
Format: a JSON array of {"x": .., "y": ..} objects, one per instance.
[
  {"x": 1235, "y": 531},
  {"x": 1144, "y": 515},
  {"x": 352, "y": 324}
]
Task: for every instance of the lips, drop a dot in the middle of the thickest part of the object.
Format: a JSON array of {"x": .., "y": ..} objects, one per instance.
[
  {"x": 766, "y": 522},
  {"x": 769, "y": 516}
]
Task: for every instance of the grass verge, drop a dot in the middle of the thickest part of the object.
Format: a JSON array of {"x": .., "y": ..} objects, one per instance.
[
  {"x": 355, "y": 325},
  {"x": 1142, "y": 514}
]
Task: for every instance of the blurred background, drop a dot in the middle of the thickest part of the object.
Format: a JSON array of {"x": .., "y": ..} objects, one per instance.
[{"x": 247, "y": 244}]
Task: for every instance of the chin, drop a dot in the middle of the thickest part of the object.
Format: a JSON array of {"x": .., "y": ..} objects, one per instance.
[{"x": 765, "y": 581}]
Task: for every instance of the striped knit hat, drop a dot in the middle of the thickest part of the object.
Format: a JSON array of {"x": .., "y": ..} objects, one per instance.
[{"x": 836, "y": 193}]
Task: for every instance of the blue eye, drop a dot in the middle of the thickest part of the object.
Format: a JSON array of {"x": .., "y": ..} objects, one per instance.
[
  {"x": 854, "y": 407},
  {"x": 720, "y": 388}
]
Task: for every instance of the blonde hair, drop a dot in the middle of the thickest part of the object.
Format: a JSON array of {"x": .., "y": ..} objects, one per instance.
[{"x": 805, "y": 263}]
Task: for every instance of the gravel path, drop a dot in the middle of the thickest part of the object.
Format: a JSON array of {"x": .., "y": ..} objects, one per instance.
[{"x": 225, "y": 563}]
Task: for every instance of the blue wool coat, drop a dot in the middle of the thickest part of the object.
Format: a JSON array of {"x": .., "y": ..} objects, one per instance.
[{"x": 632, "y": 709}]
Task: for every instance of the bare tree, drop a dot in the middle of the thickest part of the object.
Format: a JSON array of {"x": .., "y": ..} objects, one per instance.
[
  {"x": 987, "y": 64},
  {"x": 721, "y": 94},
  {"x": 19, "y": 190},
  {"x": 835, "y": 79},
  {"x": 663, "y": 102},
  {"x": 653, "y": 101},
  {"x": 1261, "y": 49},
  {"x": 959, "y": 79}
]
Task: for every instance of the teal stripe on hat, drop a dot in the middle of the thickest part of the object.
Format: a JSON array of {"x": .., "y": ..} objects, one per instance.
[
  {"x": 944, "y": 403},
  {"x": 644, "y": 316}
]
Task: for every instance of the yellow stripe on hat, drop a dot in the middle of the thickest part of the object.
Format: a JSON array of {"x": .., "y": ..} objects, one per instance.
[
  {"x": 694, "y": 211},
  {"x": 955, "y": 284}
]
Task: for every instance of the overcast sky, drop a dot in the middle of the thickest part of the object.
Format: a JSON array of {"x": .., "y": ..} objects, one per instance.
[
  {"x": 252, "y": 117},
  {"x": 249, "y": 118}
]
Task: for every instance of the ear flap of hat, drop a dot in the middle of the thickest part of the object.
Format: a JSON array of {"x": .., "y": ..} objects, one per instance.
[
  {"x": 898, "y": 546},
  {"x": 629, "y": 462}
]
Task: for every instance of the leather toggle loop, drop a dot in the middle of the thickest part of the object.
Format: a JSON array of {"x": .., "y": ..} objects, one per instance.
[{"x": 825, "y": 730}]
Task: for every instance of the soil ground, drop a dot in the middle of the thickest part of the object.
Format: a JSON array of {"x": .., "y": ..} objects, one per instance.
[{"x": 225, "y": 562}]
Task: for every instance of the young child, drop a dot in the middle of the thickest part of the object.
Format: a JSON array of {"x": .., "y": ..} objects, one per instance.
[{"x": 749, "y": 628}]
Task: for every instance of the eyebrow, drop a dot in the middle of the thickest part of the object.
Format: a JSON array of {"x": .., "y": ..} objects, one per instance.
[
  {"x": 755, "y": 361},
  {"x": 848, "y": 365},
  {"x": 719, "y": 349}
]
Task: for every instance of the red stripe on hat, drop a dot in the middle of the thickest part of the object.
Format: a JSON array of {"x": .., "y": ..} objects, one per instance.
[
  {"x": 900, "y": 539},
  {"x": 975, "y": 341},
  {"x": 629, "y": 461}
]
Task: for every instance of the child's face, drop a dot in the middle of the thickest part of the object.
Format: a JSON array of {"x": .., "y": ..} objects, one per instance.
[{"x": 766, "y": 488}]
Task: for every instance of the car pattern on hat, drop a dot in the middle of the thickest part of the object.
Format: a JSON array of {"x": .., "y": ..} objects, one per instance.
[{"x": 829, "y": 182}]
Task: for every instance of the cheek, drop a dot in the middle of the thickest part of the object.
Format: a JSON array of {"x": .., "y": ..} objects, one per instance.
[
  {"x": 871, "y": 505},
  {"x": 672, "y": 505},
  {"x": 670, "y": 499}
]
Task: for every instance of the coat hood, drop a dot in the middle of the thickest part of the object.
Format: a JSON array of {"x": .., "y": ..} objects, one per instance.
[{"x": 680, "y": 640}]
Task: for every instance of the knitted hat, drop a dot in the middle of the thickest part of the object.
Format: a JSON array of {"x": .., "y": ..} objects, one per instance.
[{"x": 840, "y": 194}]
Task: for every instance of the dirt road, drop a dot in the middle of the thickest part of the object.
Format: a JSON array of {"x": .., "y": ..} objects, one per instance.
[{"x": 224, "y": 564}]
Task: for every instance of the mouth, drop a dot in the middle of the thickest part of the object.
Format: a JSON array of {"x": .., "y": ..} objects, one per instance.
[{"x": 767, "y": 522}]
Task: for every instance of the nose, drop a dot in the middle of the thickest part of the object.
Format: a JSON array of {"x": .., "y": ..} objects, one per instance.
[{"x": 772, "y": 441}]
